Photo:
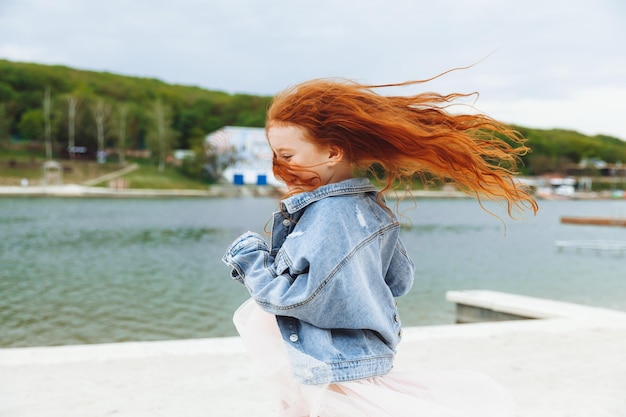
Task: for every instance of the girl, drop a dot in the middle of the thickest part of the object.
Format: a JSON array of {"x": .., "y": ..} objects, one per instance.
[{"x": 322, "y": 320}]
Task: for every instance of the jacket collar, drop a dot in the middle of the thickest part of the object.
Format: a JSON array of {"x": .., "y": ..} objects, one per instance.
[{"x": 352, "y": 186}]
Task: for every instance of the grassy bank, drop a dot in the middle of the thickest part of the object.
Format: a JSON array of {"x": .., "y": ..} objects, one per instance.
[
  {"x": 18, "y": 164},
  {"x": 149, "y": 177}
]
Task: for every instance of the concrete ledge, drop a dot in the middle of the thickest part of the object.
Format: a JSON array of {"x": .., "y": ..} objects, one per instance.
[
  {"x": 569, "y": 365},
  {"x": 119, "y": 351},
  {"x": 482, "y": 305}
]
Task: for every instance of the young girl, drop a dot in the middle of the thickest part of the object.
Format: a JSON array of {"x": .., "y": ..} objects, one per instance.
[{"x": 322, "y": 321}]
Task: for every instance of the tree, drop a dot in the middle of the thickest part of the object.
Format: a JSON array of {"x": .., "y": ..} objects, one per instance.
[
  {"x": 47, "y": 106},
  {"x": 31, "y": 124},
  {"x": 72, "y": 106},
  {"x": 122, "y": 112},
  {"x": 5, "y": 127},
  {"x": 195, "y": 166},
  {"x": 217, "y": 161},
  {"x": 100, "y": 112},
  {"x": 161, "y": 136}
]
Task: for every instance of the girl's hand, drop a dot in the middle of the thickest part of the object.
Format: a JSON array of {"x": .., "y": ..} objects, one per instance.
[{"x": 236, "y": 255}]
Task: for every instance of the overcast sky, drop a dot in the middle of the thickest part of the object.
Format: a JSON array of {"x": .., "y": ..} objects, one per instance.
[{"x": 544, "y": 63}]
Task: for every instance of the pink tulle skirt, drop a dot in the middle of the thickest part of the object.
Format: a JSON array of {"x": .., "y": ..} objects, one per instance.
[{"x": 397, "y": 394}]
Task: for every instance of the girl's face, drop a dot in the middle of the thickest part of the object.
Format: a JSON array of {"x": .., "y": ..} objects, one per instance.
[{"x": 290, "y": 147}]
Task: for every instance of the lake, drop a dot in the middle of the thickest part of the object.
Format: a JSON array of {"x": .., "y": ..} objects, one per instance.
[{"x": 75, "y": 271}]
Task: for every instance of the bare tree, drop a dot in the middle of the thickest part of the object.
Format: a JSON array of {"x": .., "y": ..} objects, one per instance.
[
  {"x": 100, "y": 113},
  {"x": 72, "y": 106},
  {"x": 47, "y": 105},
  {"x": 162, "y": 136}
]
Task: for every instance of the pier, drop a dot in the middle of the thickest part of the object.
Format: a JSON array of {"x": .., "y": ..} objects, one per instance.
[
  {"x": 565, "y": 362},
  {"x": 483, "y": 306},
  {"x": 595, "y": 221}
]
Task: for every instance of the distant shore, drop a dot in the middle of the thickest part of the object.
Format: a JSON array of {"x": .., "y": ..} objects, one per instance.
[
  {"x": 74, "y": 190},
  {"x": 231, "y": 191},
  {"x": 226, "y": 191}
]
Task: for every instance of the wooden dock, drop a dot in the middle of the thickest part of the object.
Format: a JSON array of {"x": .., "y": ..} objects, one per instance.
[{"x": 595, "y": 221}]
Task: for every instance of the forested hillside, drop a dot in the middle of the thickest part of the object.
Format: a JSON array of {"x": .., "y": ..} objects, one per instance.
[
  {"x": 557, "y": 149},
  {"x": 102, "y": 110},
  {"x": 86, "y": 111}
]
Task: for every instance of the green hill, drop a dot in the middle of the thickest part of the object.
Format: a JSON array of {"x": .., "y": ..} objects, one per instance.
[
  {"x": 192, "y": 112},
  {"x": 556, "y": 150},
  {"x": 132, "y": 116}
]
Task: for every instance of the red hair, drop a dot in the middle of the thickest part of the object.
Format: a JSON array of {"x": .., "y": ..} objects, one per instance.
[{"x": 405, "y": 136}]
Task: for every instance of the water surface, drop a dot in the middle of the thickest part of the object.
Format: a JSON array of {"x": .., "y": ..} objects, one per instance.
[{"x": 108, "y": 270}]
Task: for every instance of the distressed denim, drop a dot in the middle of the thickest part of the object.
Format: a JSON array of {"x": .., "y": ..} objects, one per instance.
[{"x": 330, "y": 276}]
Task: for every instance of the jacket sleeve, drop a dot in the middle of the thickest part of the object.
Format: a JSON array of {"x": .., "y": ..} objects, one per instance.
[
  {"x": 401, "y": 270},
  {"x": 250, "y": 262},
  {"x": 319, "y": 293},
  {"x": 284, "y": 285}
]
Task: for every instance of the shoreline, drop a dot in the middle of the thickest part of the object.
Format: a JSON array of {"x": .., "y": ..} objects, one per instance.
[
  {"x": 233, "y": 191},
  {"x": 83, "y": 191},
  {"x": 214, "y": 191}
]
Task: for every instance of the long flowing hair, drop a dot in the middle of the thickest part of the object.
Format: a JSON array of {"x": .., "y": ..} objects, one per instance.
[{"x": 400, "y": 137}]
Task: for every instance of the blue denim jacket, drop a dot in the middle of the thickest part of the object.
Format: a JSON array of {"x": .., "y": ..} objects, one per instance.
[{"x": 335, "y": 264}]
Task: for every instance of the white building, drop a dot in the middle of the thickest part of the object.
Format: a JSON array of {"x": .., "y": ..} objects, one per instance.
[{"x": 253, "y": 154}]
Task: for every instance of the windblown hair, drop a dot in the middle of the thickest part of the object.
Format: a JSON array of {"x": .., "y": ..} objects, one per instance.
[{"x": 406, "y": 136}]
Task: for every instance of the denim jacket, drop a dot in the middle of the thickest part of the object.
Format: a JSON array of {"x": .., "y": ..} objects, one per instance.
[{"x": 335, "y": 264}]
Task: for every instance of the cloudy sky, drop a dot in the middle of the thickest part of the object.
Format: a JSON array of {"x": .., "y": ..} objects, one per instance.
[{"x": 542, "y": 63}]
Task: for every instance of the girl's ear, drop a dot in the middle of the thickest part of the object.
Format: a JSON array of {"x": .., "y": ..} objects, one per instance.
[{"x": 335, "y": 154}]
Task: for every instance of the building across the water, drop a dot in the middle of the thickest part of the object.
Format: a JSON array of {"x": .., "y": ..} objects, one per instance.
[{"x": 249, "y": 148}]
